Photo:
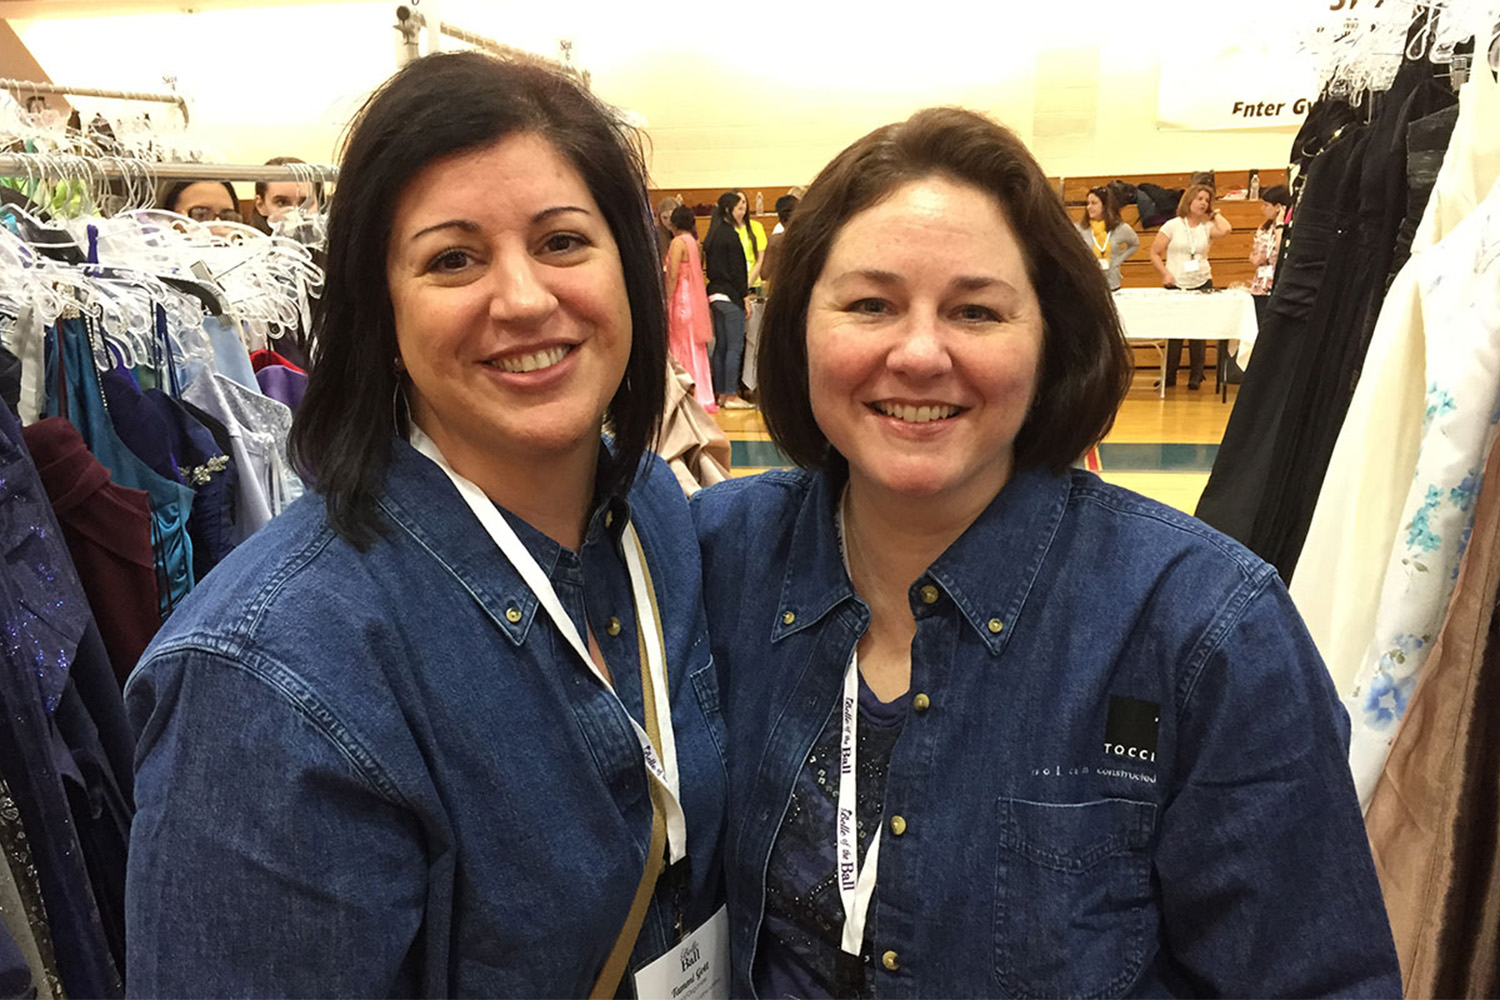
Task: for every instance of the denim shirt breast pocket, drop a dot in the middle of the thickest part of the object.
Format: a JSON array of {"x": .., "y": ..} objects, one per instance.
[
  {"x": 1073, "y": 907},
  {"x": 705, "y": 682}
]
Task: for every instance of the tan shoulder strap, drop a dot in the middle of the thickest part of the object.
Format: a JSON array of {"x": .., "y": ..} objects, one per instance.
[{"x": 608, "y": 982}]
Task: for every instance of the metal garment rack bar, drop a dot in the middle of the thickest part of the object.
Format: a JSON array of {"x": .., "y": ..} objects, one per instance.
[
  {"x": 42, "y": 165},
  {"x": 31, "y": 87},
  {"x": 410, "y": 22}
]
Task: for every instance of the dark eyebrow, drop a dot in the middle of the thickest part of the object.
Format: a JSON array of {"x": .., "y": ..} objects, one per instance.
[
  {"x": 547, "y": 213},
  {"x": 875, "y": 275},
  {"x": 473, "y": 227},
  {"x": 463, "y": 224},
  {"x": 975, "y": 283},
  {"x": 963, "y": 283}
]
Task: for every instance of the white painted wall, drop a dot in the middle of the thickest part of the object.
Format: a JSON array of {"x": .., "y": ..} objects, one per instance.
[{"x": 764, "y": 97}]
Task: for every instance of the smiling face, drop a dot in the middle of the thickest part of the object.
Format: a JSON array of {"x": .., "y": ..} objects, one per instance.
[
  {"x": 738, "y": 212},
  {"x": 511, "y": 314},
  {"x": 1095, "y": 206},
  {"x": 924, "y": 342}
]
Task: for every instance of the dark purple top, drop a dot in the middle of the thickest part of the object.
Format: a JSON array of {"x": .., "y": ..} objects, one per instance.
[{"x": 799, "y": 954}]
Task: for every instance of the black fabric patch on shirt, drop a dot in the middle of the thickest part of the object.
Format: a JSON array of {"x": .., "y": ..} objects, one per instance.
[{"x": 1130, "y": 728}]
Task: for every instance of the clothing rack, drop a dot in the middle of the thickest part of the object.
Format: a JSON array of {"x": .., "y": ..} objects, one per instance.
[
  {"x": 29, "y": 86},
  {"x": 113, "y": 168},
  {"x": 410, "y": 23}
]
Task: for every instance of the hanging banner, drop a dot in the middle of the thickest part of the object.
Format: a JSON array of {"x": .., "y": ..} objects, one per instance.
[{"x": 1233, "y": 88}]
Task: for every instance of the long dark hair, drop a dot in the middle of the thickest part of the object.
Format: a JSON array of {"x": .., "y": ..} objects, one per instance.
[
  {"x": 437, "y": 106},
  {"x": 1086, "y": 365},
  {"x": 749, "y": 229},
  {"x": 723, "y": 213},
  {"x": 1111, "y": 209}
]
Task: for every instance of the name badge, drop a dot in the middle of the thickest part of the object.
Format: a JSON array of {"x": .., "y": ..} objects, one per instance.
[
  {"x": 697, "y": 968},
  {"x": 1267, "y": 271},
  {"x": 1190, "y": 266},
  {"x": 1103, "y": 264}
]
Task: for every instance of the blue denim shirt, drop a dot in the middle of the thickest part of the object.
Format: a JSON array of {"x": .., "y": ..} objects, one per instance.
[
  {"x": 385, "y": 773},
  {"x": 1130, "y": 776}
]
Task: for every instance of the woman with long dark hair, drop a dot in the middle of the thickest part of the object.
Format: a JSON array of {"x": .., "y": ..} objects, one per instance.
[
  {"x": 449, "y": 726},
  {"x": 728, "y": 296}
]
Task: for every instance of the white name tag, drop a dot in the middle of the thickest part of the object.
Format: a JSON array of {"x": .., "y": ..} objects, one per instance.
[
  {"x": 1190, "y": 266},
  {"x": 1103, "y": 264},
  {"x": 697, "y": 968},
  {"x": 1266, "y": 271}
]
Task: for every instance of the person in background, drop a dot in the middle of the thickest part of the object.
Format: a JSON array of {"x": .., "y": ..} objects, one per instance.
[
  {"x": 998, "y": 728},
  {"x": 274, "y": 199},
  {"x": 795, "y": 194},
  {"x": 785, "y": 206},
  {"x": 728, "y": 296},
  {"x": 449, "y": 726},
  {"x": 202, "y": 201},
  {"x": 753, "y": 238},
  {"x": 689, "y": 328},
  {"x": 665, "y": 233},
  {"x": 1180, "y": 255},
  {"x": 1275, "y": 202},
  {"x": 1106, "y": 234}
]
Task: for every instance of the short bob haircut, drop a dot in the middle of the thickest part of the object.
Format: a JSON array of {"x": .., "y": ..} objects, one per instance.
[
  {"x": 1186, "y": 201},
  {"x": 1111, "y": 208},
  {"x": 436, "y": 107},
  {"x": 1086, "y": 365}
]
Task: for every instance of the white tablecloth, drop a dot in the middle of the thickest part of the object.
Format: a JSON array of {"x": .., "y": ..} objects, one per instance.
[{"x": 1162, "y": 313}]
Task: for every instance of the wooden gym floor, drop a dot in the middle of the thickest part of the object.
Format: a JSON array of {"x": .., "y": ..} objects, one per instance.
[{"x": 1163, "y": 448}]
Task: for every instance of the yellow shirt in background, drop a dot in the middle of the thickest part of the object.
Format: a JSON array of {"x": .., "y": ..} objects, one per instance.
[
  {"x": 760, "y": 242},
  {"x": 1101, "y": 239}
]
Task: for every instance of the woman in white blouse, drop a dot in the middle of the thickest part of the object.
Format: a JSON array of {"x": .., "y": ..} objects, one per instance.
[{"x": 1180, "y": 255}]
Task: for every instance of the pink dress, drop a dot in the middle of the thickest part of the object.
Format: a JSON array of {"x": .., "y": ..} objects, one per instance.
[{"x": 689, "y": 328}]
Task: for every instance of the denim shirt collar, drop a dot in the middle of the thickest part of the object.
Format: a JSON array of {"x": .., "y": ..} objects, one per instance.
[
  {"x": 988, "y": 572},
  {"x": 421, "y": 500},
  {"x": 815, "y": 582}
]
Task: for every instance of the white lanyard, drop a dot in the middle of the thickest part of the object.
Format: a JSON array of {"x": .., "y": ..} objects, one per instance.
[
  {"x": 1192, "y": 250},
  {"x": 1101, "y": 248},
  {"x": 856, "y": 881},
  {"x": 662, "y": 768}
]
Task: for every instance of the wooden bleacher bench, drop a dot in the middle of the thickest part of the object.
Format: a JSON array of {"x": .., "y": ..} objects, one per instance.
[{"x": 1229, "y": 256}]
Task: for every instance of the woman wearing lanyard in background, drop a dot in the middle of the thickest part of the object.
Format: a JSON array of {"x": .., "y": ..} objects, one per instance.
[
  {"x": 1180, "y": 255},
  {"x": 996, "y": 727},
  {"x": 1103, "y": 230},
  {"x": 452, "y": 727}
]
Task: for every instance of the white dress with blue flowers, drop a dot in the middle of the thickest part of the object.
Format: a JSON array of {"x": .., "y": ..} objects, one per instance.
[
  {"x": 1362, "y": 508},
  {"x": 1458, "y": 283}
]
